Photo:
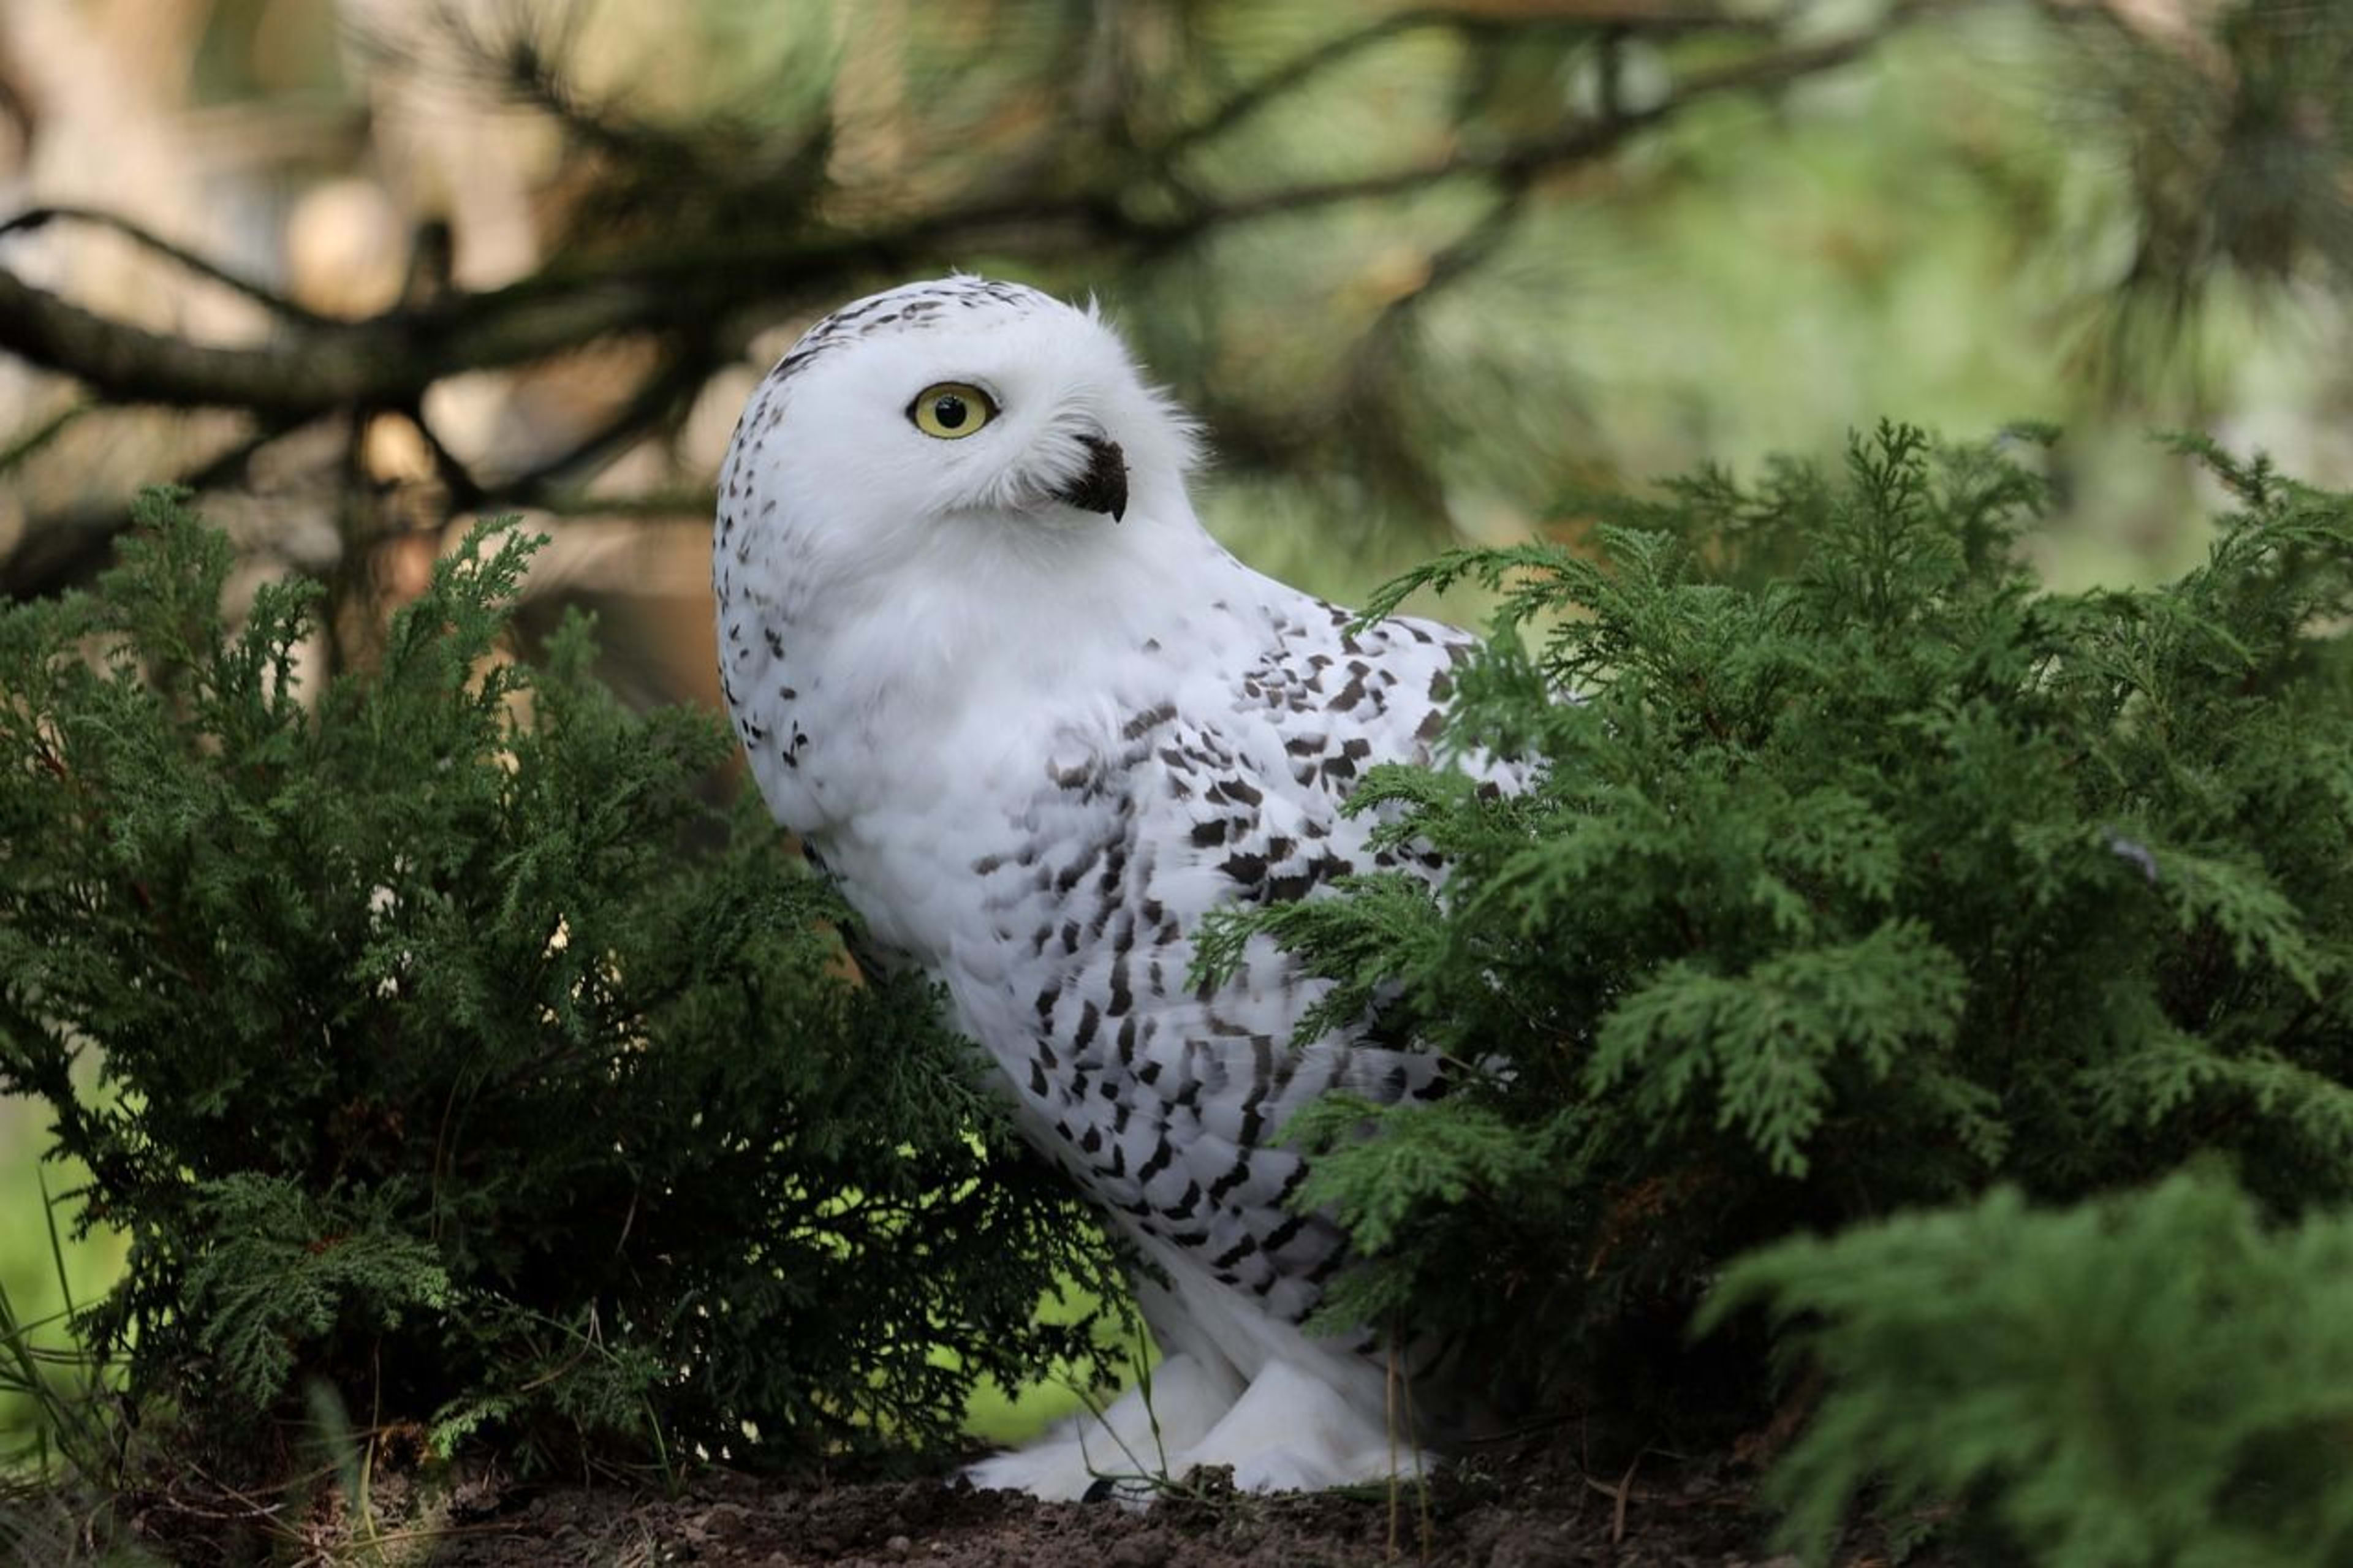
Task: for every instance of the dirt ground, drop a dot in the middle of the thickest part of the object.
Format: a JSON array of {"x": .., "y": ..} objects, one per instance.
[
  {"x": 1518, "y": 1510},
  {"x": 1532, "y": 1506}
]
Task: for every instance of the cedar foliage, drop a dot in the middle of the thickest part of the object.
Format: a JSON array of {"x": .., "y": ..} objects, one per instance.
[
  {"x": 441, "y": 1048},
  {"x": 1861, "y": 875},
  {"x": 2152, "y": 1378}
]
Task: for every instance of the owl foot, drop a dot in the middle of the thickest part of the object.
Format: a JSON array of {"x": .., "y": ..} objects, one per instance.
[
  {"x": 1287, "y": 1431},
  {"x": 1125, "y": 1447},
  {"x": 1293, "y": 1431}
]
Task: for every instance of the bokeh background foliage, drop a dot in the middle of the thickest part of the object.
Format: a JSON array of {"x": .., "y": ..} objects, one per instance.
[
  {"x": 1421, "y": 269},
  {"x": 362, "y": 272}
]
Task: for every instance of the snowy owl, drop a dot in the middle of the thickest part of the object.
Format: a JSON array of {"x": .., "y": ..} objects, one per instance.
[{"x": 1034, "y": 722}]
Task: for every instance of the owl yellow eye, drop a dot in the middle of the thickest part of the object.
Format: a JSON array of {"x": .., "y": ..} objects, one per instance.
[{"x": 951, "y": 410}]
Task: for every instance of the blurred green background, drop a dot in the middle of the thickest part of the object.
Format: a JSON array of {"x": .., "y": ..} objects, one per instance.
[{"x": 1426, "y": 272}]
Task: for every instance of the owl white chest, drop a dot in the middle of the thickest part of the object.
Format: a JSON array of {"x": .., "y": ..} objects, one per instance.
[{"x": 903, "y": 744}]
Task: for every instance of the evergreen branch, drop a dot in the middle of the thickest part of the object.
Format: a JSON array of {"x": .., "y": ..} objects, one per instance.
[{"x": 412, "y": 1127}]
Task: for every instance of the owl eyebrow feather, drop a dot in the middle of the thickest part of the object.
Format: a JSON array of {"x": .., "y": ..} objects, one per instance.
[{"x": 904, "y": 309}]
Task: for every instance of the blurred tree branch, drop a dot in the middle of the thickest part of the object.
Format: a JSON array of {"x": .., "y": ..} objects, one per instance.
[
  {"x": 389, "y": 360},
  {"x": 1134, "y": 146},
  {"x": 1622, "y": 15},
  {"x": 2237, "y": 129},
  {"x": 693, "y": 278},
  {"x": 35, "y": 218},
  {"x": 1578, "y": 143}
]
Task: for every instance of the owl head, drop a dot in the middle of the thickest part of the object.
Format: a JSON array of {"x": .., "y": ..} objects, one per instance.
[{"x": 959, "y": 423}]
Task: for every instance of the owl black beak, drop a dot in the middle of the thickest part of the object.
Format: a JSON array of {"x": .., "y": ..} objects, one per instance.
[{"x": 1102, "y": 486}]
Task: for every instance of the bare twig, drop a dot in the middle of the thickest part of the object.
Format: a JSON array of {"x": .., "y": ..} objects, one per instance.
[
  {"x": 384, "y": 362},
  {"x": 33, "y": 218},
  {"x": 1246, "y": 100},
  {"x": 465, "y": 490},
  {"x": 41, "y": 434},
  {"x": 1624, "y": 16},
  {"x": 230, "y": 463},
  {"x": 682, "y": 503},
  {"x": 1572, "y": 144},
  {"x": 1619, "y": 1496},
  {"x": 659, "y": 398},
  {"x": 59, "y": 550}
]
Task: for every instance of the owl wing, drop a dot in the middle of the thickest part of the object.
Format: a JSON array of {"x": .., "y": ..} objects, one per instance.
[{"x": 1161, "y": 1097}]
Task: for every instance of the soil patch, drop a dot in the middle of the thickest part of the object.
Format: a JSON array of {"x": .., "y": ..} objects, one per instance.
[{"x": 1523, "y": 1509}]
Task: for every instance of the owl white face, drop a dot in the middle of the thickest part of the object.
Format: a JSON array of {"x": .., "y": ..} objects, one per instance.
[{"x": 950, "y": 420}]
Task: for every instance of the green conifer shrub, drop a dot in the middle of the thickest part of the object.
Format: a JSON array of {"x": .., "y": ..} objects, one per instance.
[
  {"x": 2153, "y": 1378},
  {"x": 1863, "y": 875},
  {"x": 440, "y": 1046}
]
